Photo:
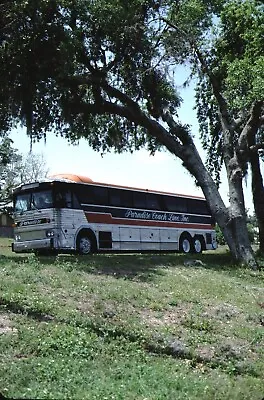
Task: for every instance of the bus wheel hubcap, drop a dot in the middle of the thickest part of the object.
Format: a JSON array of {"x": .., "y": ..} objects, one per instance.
[
  {"x": 85, "y": 246},
  {"x": 186, "y": 246}
]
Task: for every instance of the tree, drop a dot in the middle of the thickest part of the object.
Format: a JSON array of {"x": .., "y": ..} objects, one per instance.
[
  {"x": 100, "y": 70},
  {"x": 230, "y": 97},
  {"x": 7, "y": 154},
  {"x": 19, "y": 170},
  {"x": 6, "y": 150}
]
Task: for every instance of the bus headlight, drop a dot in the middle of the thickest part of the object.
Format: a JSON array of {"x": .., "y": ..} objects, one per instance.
[
  {"x": 17, "y": 237},
  {"x": 50, "y": 234}
]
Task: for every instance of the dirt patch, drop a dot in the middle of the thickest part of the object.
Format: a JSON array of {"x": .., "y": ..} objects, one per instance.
[
  {"x": 6, "y": 325},
  {"x": 222, "y": 311},
  {"x": 167, "y": 317}
]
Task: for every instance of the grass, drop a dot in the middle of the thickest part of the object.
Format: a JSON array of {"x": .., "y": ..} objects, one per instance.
[{"x": 130, "y": 326}]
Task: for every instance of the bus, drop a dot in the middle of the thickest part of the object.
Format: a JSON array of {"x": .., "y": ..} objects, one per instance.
[{"x": 70, "y": 213}]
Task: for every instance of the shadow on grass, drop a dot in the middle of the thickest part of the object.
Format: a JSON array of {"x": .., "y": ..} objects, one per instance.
[
  {"x": 139, "y": 266},
  {"x": 13, "y": 258},
  {"x": 18, "y": 308},
  {"x": 134, "y": 266}
]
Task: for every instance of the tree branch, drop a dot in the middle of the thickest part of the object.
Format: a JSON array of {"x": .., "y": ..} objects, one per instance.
[
  {"x": 251, "y": 127},
  {"x": 227, "y": 122},
  {"x": 130, "y": 109},
  {"x": 179, "y": 131}
]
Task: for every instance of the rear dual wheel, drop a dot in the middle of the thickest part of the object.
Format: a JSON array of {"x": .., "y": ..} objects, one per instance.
[
  {"x": 197, "y": 245},
  {"x": 186, "y": 244},
  {"x": 190, "y": 245}
]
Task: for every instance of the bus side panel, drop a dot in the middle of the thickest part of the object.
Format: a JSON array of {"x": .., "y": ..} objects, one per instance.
[
  {"x": 169, "y": 239},
  {"x": 129, "y": 238},
  {"x": 150, "y": 239},
  {"x": 115, "y": 238},
  {"x": 113, "y": 234},
  {"x": 69, "y": 221}
]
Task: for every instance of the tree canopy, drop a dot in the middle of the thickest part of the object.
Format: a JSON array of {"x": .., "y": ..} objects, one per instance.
[
  {"x": 236, "y": 63},
  {"x": 69, "y": 65}
]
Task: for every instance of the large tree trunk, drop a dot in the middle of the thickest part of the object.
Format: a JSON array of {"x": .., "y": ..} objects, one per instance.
[
  {"x": 231, "y": 220},
  {"x": 258, "y": 196},
  {"x": 251, "y": 130}
]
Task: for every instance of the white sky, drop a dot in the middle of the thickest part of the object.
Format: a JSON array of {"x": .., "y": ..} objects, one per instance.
[{"x": 162, "y": 171}]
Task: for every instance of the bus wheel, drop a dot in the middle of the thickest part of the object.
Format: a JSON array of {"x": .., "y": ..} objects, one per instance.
[
  {"x": 197, "y": 245},
  {"x": 85, "y": 245},
  {"x": 186, "y": 244}
]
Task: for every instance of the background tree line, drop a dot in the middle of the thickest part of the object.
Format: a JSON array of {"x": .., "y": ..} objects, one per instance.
[{"x": 17, "y": 169}]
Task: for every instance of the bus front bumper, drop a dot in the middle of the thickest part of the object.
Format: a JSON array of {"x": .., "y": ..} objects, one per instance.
[{"x": 29, "y": 245}]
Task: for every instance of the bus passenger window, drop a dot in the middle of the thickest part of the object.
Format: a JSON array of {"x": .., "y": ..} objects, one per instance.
[
  {"x": 198, "y": 207},
  {"x": 139, "y": 200},
  {"x": 176, "y": 204},
  {"x": 114, "y": 197},
  {"x": 126, "y": 198},
  {"x": 68, "y": 199},
  {"x": 84, "y": 194},
  {"x": 153, "y": 202},
  {"x": 100, "y": 195},
  {"x": 63, "y": 199}
]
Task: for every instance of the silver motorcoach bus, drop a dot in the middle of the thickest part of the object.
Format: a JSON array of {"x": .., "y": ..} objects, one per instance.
[{"x": 68, "y": 213}]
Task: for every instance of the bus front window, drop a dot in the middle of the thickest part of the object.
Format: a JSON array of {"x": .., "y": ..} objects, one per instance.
[
  {"x": 42, "y": 200},
  {"x": 22, "y": 203}
]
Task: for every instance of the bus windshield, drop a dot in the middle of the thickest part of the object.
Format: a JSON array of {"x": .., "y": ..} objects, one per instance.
[{"x": 33, "y": 200}]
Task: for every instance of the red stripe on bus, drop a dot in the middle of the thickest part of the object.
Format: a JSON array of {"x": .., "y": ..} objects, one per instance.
[{"x": 108, "y": 219}]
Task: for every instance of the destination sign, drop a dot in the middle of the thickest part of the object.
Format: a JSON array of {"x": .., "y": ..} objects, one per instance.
[{"x": 36, "y": 221}]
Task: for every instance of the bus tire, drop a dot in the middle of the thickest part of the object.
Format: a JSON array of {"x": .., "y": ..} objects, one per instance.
[
  {"x": 198, "y": 244},
  {"x": 186, "y": 243},
  {"x": 86, "y": 244}
]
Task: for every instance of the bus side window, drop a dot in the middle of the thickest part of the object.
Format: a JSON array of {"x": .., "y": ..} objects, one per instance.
[
  {"x": 153, "y": 202},
  {"x": 68, "y": 199},
  {"x": 126, "y": 198},
  {"x": 75, "y": 201},
  {"x": 59, "y": 200},
  {"x": 139, "y": 200},
  {"x": 198, "y": 207},
  {"x": 100, "y": 195},
  {"x": 63, "y": 199},
  {"x": 84, "y": 194},
  {"x": 176, "y": 204},
  {"x": 114, "y": 197}
]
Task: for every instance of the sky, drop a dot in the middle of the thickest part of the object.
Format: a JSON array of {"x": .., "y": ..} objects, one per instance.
[{"x": 163, "y": 171}]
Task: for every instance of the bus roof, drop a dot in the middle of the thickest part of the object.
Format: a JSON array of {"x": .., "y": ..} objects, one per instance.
[
  {"x": 85, "y": 179},
  {"x": 72, "y": 177}
]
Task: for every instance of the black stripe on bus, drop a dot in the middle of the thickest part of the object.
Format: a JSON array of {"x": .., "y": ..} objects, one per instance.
[{"x": 149, "y": 215}]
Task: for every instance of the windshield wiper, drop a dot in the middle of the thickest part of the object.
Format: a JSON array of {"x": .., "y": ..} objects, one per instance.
[{"x": 34, "y": 207}]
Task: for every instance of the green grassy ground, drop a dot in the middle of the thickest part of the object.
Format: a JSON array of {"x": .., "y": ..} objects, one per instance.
[{"x": 130, "y": 327}]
